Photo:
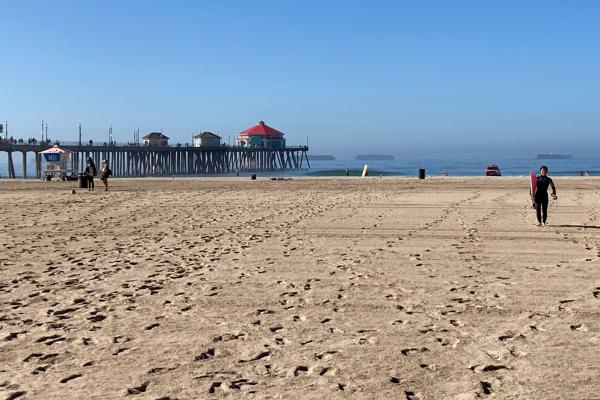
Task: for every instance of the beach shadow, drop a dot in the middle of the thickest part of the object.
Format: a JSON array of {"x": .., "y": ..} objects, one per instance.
[{"x": 579, "y": 226}]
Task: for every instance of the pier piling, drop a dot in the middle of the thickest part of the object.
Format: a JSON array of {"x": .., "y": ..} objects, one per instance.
[
  {"x": 11, "y": 166},
  {"x": 24, "y": 164},
  {"x": 38, "y": 165}
]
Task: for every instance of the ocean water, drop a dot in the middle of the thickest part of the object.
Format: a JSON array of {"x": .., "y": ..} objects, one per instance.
[
  {"x": 410, "y": 167},
  {"x": 454, "y": 167}
]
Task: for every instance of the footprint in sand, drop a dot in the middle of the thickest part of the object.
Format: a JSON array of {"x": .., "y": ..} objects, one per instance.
[
  {"x": 138, "y": 389},
  {"x": 13, "y": 335},
  {"x": 300, "y": 370},
  {"x": 578, "y": 327},
  {"x": 50, "y": 340},
  {"x": 209, "y": 353},
  {"x": 410, "y": 395},
  {"x": 70, "y": 378},
  {"x": 239, "y": 383},
  {"x": 413, "y": 350},
  {"x": 487, "y": 368},
  {"x": 325, "y": 355},
  {"x": 486, "y": 387},
  {"x": 16, "y": 395},
  {"x": 214, "y": 386},
  {"x": 257, "y": 357}
]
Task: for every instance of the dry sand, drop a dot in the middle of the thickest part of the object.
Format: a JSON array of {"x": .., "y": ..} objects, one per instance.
[{"x": 312, "y": 288}]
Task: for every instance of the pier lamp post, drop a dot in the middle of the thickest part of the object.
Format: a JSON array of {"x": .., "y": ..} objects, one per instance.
[
  {"x": 79, "y": 154},
  {"x": 110, "y": 135},
  {"x": 46, "y": 132},
  {"x": 42, "y": 141}
]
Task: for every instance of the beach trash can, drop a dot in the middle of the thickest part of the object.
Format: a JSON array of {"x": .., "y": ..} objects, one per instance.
[
  {"x": 253, "y": 177},
  {"x": 48, "y": 178},
  {"x": 421, "y": 173},
  {"x": 83, "y": 181}
]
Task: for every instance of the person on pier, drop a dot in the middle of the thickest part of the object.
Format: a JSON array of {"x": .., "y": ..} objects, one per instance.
[
  {"x": 106, "y": 172},
  {"x": 90, "y": 172}
]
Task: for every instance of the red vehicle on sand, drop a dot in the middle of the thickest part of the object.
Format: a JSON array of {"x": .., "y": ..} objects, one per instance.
[{"x": 492, "y": 170}]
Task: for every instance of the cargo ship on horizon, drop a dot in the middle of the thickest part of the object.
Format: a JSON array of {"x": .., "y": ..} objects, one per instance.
[
  {"x": 320, "y": 157},
  {"x": 372, "y": 157},
  {"x": 553, "y": 156}
]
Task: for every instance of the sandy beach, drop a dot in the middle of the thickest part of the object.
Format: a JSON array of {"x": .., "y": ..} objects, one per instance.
[{"x": 372, "y": 288}]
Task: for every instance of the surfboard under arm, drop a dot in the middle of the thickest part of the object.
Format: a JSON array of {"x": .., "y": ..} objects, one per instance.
[{"x": 532, "y": 187}]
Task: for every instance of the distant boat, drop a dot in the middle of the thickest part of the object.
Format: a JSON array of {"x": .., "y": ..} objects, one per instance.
[
  {"x": 552, "y": 156},
  {"x": 492, "y": 170},
  {"x": 367, "y": 157},
  {"x": 320, "y": 157}
]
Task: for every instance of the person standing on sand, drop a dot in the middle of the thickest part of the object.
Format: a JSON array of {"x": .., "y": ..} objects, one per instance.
[
  {"x": 106, "y": 172},
  {"x": 540, "y": 197},
  {"x": 90, "y": 172}
]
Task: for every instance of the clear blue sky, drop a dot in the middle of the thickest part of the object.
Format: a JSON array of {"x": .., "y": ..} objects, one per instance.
[{"x": 410, "y": 78}]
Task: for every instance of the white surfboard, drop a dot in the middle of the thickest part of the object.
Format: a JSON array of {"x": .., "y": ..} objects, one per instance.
[{"x": 365, "y": 171}]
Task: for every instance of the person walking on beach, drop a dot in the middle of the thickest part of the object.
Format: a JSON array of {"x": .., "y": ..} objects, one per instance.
[
  {"x": 540, "y": 196},
  {"x": 106, "y": 172},
  {"x": 90, "y": 172}
]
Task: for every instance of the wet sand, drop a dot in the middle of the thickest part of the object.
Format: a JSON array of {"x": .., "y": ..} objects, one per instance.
[{"x": 311, "y": 288}]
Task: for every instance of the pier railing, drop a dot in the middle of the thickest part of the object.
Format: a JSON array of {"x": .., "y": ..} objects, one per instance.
[{"x": 5, "y": 144}]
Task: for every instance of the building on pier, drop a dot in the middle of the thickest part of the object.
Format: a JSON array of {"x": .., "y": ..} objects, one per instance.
[
  {"x": 261, "y": 135},
  {"x": 156, "y": 139},
  {"x": 206, "y": 139}
]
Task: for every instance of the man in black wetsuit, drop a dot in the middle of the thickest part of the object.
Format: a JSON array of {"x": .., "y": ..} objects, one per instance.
[
  {"x": 541, "y": 195},
  {"x": 90, "y": 172}
]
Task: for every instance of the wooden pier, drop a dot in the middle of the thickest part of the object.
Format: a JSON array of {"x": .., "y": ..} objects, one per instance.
[{"x": 142, "y": 160}]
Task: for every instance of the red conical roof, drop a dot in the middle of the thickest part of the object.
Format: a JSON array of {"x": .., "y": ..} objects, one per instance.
[{"x": 261, "y": 129}]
